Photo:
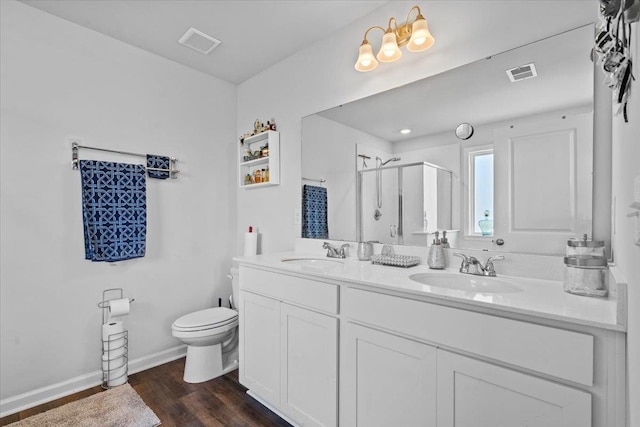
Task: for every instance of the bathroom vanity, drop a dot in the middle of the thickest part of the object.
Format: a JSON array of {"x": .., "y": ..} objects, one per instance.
[{"x": 344, "y": 342}]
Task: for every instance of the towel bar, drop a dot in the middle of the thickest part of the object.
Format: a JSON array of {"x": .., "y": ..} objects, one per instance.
[{"x": 75, "y": 160}]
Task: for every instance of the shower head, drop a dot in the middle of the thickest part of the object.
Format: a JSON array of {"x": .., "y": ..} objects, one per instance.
[{"x": 393, "y": 159}]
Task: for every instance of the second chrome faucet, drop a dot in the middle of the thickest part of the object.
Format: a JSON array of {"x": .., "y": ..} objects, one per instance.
[
  {"x": 471, "y": 265},
  {"x": 333, "y": 252}
]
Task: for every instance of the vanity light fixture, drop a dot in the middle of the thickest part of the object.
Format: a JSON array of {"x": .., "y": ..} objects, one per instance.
[
  {"x": 405, "y": 131},
  {"x": 415, "y": 35}
]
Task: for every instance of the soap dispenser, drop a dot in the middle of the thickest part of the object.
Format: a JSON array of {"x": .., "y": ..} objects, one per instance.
[{"x": 436, "y": 260}]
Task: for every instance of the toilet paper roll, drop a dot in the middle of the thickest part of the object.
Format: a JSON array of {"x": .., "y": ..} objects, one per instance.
[
  {"x": 250, "y": 244},
  {"x": 117, "y": 376},
  {"x": 111, "y": 329},
  {"x": 113, "y": 338},
  {"x": 114, "y": 364},
  {"x": 113, "y": 350},
  {"x": 118, "y": 307}
]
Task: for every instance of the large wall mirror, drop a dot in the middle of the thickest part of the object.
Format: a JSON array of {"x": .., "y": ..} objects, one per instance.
[{"x": 399, "y": 167}]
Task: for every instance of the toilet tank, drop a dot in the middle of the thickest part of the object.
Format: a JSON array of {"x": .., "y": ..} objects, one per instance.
[{"x": 235, "y": 287}]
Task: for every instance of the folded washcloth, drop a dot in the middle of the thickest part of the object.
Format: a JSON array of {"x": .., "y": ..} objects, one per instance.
[
  {"x": 314, "y": 212},
  {"x": 160, "y": 162},
  {"x": 114, "y": 210}
]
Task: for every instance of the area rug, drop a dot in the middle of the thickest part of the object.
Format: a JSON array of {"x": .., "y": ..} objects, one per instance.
[{"x": 117, "y": 407}]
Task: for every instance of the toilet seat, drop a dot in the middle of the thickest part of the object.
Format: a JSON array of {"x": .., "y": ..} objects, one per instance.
[{"x": 210, "y": 318}]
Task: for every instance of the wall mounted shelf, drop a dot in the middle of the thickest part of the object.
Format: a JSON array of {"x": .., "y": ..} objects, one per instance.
[{"x": 270, "y": 162}]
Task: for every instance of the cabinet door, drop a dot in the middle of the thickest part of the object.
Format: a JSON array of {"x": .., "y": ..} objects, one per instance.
[
  {"x": 309, "y": 352},
  {"x": 472, "y": 393},
  {"x": 260, "y": 346},
  {"x": 386, "y": 380}
]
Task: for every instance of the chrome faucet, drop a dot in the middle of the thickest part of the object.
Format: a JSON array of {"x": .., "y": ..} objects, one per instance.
[
  {"x": 470, "y": 262},
  {"x": 333, "y": 252}
]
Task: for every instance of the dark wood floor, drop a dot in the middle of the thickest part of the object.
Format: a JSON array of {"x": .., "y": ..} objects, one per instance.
[{"x": 220, "y": 402}]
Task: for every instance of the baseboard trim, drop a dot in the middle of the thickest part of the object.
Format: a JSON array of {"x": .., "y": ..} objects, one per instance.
[{"x": 36, "y": 397}]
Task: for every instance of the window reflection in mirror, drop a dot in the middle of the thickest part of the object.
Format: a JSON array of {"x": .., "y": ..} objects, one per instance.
[{"x": 481, "y": 188}]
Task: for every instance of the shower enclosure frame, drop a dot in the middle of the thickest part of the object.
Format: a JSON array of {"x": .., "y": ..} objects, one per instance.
[{"x": 400, "y": 201}]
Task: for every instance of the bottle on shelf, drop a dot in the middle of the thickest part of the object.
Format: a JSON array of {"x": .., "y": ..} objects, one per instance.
[
  {"x": 248, "y": 180},
  {"x": 257, "y": 176},
  {"x": 486, "y": 225},
  {"x": 265, "y": 175}
]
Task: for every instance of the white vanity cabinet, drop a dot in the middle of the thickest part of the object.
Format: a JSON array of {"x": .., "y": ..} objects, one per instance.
[
  {"x": 473, "y": 393},
  {"x": 309, "y": 366},
  {"x": 289, "y": 344},
  {"x": 427, "y": 364},
  {"x": 260, "y": 345},
  {"x": 386, "y": 380},
  {"x": 412, "y": 360}
]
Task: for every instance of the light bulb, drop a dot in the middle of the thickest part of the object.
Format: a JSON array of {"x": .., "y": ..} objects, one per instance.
[
  {"x": 389, "y": 50},
  {"x": 366, "y": 61},
  {"x": 421, "y": 38}
]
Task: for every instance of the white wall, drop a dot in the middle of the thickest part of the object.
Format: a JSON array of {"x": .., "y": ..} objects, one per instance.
[
  {"x": 58, "y": 81},
  {"x": 322, "y": 76},
  {"x": 626, "y": 167},
  {"x": 332, "y": 143}
]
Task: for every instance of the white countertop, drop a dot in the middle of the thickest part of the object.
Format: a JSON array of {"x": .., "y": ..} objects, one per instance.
[{"x": 540, "y": 298}]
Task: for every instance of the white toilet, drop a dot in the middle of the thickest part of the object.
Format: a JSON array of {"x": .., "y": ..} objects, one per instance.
[{"x": 211, "y": 336}]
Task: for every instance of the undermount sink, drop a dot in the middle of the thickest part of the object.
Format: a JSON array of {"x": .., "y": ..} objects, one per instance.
[
  {"x": 468, "y": 283},
  {"x": 313, "y": 262}
]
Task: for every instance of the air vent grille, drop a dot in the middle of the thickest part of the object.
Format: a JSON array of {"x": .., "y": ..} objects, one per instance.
[
  {"x": 522, "y": 72},
  {"x": 199, "y": 41}
]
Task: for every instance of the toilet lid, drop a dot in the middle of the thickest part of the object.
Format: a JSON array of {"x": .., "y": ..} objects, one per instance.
[{"x": 211, "y": 317}]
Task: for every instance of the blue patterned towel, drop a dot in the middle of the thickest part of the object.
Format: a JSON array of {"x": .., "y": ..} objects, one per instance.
[
  {"x": 314, "y": 212},
  {"x": 160, "y": 162},
  {"x": 114, "y": 210}
]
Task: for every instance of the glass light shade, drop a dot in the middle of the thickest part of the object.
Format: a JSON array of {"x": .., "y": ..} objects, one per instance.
[
  {"x": 389, "y": 50},
  {"x": 421, "y": 38},
  {"x": 366, "y": 60}
]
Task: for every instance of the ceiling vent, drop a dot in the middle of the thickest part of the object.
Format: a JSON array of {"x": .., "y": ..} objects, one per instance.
[
  {"x": 522, "y": 72},
  {"x": 197, "y": 40}
]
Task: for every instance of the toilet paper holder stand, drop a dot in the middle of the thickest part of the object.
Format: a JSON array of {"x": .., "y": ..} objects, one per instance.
[{"x": 115, "y": 369}]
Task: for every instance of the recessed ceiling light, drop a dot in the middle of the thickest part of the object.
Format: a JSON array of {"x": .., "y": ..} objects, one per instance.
[{"x": 405, "y": 131}]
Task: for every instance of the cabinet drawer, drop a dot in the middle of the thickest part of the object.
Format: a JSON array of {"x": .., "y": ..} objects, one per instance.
[
  {"x": 563, "y": 354},
  {"x": 297, "y": 290}
]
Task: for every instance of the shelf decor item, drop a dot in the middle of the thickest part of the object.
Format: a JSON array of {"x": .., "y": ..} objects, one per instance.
[{"x": 258, "y": 128}]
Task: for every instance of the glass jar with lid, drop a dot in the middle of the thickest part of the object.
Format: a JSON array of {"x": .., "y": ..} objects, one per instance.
[{"x": 585, "y": 275}]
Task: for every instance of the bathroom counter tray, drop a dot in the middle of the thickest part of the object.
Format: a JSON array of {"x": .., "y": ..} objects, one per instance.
[{"x": 405, "y": 261}]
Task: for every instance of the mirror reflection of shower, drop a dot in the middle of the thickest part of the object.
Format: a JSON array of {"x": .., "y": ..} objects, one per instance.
[
  {"x": 364, "y": 158},
  {"x": 380, "y": 164},
  {"x": 408, "y": 191}
]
